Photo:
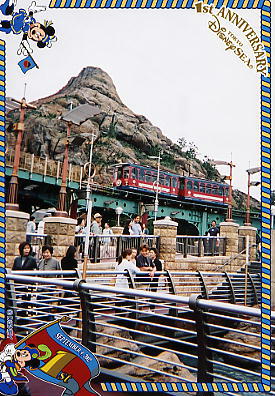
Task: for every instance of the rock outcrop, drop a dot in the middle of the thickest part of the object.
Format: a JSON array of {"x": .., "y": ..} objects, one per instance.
[{"x": 121, "y": 135}]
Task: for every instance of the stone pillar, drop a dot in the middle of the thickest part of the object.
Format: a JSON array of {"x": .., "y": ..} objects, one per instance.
[
  {"x": 16, "y": 226},
  {"x": 251, "y": 232},
  {"x": 62, "y": 233},
  {"x": 167, "y": 231},
  {"x": 273, "y": 270},
  {"x": 230, "y": 231}
]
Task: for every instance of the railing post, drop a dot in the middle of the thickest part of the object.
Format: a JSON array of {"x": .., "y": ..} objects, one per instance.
[
  {"x": 233, "y": 297},
  {"x": 32, "y": 163},
  {"x": 203, "y": 284},
  {"x": 87, "y": 316},
  {"x": 256, "y": 300},
  {"x": 200, "y": 247},
  {"x": 132, "y": 285},
  {"x": 205, "y": 367},
  {"x": 172, "y": 289},
  {"x": 45, "y": 167},
  {"x": 185, "y": 247},
  {"x": 172, "y": 286},
  {"x": 224, "y": 246}
]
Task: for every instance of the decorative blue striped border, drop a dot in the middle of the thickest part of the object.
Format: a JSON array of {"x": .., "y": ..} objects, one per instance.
[
  {"x": 2, "y": 189},
  {"x": 265, "y": 6}
]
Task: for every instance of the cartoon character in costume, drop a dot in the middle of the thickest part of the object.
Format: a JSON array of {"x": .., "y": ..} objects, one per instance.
[
  {"x": 13, "y": 361},
  {"x": 23, "y": 22}
]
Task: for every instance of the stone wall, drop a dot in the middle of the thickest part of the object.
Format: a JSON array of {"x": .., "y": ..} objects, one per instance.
[
  {"x": 251, "y": 232},
  {"x": 62, "y": 233},
  {"x": 167, "y": 231},
  {"x": 16, "y": 225}
]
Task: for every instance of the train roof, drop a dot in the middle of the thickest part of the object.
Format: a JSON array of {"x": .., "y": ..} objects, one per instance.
[{"x": 169, "y": 173}]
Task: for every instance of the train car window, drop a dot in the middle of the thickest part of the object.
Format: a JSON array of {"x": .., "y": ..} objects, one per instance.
[
  {"x": 134, "y": 173},
  {"x": 196, "y": 186},
  {"x": 126, "y": 173},
  {"x": 215, "y": 190},
  {"x": 226, "y": 191},
  {"x": 141, "y": 174},
  {"x": 208, "y": 189},
  {"x": 202, "y": 187},
  {"x": 148, "y": 177},
  {"x": 119, "y": 173},
  {"x": 221, "y": 191},
  {"x": 174, "y": 182},
  {"x": 181, "y": 184},
  {"x": 167, "y": 181},
  {"x": 189, "y": 185}
]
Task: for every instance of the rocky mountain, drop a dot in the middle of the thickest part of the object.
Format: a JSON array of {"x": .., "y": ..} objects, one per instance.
[{"x": 121, "y": 135}]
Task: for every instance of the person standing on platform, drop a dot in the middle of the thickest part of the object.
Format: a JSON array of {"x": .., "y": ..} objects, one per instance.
[
  {"x": 213, "y": 242},
  {"x": 48, "y": 263},
  {"x": 107, "y": 241},
  {"x": 96, "y": 229},
  {"x": 31, "y": 229},
  {"x": 125, "y": 264},
  {"x": 25, "y": 261},
  {"x": 154, "y": 255},
  {"x": 145, "y": 264},
  {"x": 69, "y": 262},
  {"x": 136, "y": 226}
]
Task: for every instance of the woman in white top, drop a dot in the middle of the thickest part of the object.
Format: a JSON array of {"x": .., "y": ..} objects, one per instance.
[{"x": 125, "y": 264}]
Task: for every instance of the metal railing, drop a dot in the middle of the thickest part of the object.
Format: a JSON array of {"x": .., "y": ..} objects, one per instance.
[
  {"x": 109, "y": 247},
  {"x": 143, "y": 336},
  {"x": 44, "y": 166},
  {"x": 200, "y": 245},
  {"x": 236, "y": 288}
]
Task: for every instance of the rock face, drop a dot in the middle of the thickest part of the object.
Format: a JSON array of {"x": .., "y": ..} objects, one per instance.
[{"x": 121, "y": 135}]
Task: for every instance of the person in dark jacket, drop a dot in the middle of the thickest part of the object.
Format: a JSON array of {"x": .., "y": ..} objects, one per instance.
[
  {"x": 154, "y": 255},
  {"x": 69, "y": 262},
  {"x": 25, "y": 261}
]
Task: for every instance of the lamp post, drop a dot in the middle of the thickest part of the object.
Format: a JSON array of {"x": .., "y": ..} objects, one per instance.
[
  {"x": 12, "y": 199},
  {"x": 75, "y": 116},
  {"x": 89, "y": 208},
  {"x": 250, "y": 171},
  {"x": 157, "y": 183},
  {"x": 119, "y": 211},
  {"x": 231, "y": 165},
  {"x": 61, "y": 205}
]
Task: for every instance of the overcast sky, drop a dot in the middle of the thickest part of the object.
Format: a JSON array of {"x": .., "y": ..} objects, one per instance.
[{"x": 166, "y": 65}]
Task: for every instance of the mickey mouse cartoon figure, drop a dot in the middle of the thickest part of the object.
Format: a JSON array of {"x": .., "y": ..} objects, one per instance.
[
  {"x": 12, "y": 361},
  {"x": 23, "y": 22}
]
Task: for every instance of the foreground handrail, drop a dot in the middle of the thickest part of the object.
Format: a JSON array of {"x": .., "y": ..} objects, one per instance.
[{"x": 201, "y": 303}]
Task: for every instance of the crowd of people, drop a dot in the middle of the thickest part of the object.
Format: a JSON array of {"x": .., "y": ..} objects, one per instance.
[
  {"x": 135, "y": 264},
  {"x": 27, "y": 262}
]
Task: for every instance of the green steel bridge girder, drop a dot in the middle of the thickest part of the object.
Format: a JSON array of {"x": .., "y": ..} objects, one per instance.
[
  {"x": 39, "y": 178},
  {"x": 201, "y": 217}
]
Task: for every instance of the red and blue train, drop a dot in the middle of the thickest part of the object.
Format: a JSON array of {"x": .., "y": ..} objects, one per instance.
[{"x": 143, "y": 178}]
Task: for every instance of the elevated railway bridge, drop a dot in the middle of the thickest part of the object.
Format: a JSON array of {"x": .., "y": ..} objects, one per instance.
[{"x": 39, "y": 184}]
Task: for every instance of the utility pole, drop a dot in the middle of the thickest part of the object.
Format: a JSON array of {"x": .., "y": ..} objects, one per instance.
[{"x": 12, "y": 199}]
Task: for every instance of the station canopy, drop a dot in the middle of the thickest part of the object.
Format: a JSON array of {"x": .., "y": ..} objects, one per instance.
[
  {"x": 80, "y": 114},
  {"x": 11, "y": 105}
]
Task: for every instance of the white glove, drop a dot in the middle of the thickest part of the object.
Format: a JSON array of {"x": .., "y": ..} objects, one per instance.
[
  {"x": 7, "y": 353},
  {"x": 36, "y": 8},
  {"x": 24, "y": 48}
]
